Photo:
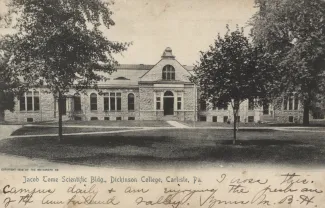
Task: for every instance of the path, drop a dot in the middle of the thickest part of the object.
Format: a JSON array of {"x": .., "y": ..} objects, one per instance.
[
  {"x": 177, "y": 124},
  {"x": 6, "y": 130}
]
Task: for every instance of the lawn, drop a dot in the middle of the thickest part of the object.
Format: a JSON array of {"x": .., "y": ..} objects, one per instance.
[
  {"x": 219, "y": 124},
  {"x": 313, "y": 123},
  {"x": 136, "y": 123},
  {"x": 31, "y": 130},
  {"x": 176, "y": 148}
]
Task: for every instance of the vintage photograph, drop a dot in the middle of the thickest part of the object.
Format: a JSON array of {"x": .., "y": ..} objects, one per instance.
[{"x": 139, "y": 84}]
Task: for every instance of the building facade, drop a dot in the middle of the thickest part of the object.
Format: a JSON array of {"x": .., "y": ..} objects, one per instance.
[{"x": 147, "y": 92}]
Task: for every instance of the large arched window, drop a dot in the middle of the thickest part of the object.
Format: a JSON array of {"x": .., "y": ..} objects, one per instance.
[
  {"x": 168, "y": 73},
  {"x": 93, "y": 101},
  {"x": 77, "y": 102},
  {"x": 131, "y": 102}
]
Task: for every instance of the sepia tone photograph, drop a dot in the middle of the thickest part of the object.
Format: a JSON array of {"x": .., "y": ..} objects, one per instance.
[{"x": 162, "y": 84}]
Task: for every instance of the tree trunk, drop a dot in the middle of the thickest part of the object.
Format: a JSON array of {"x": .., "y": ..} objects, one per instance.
[
  {"x": 60, "y": 116},
  {"x": 306, "y": 112},
  {"x": 235, "y": 131}
]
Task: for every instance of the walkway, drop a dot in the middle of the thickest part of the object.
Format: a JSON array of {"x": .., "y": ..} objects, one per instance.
[
  {"x": 6, "y": 130},
  {"x": 177, "y": 124}
]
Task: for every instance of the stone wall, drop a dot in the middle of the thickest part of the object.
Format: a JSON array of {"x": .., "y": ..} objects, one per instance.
[
  {"x": 147, "y": 102},
  {"x": 100, "y": 113},
  {"x": 46, "y": 112}
]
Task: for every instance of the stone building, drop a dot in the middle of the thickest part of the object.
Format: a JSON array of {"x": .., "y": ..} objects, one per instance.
[{"x": 146, "y": 92}]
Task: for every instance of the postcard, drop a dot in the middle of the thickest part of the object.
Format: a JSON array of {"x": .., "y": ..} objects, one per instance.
[{"x": 177, "y": 104}]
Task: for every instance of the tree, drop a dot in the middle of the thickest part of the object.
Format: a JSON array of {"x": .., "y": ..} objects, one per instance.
[
  {"x": 232, "y": 71},
  {"x": 59, "y": 43},
  {"x": 10, "y": 85},
  {"x": 293, "y": 33}
]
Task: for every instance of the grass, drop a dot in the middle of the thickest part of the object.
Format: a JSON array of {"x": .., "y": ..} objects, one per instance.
[
  {"x": 219, "y": 124},
  {"x": 30, "y": 130},
  {"x": 136, "y": 123},
  {"x": 175, "y": 147},
  {"x": 313, "y": 123}
]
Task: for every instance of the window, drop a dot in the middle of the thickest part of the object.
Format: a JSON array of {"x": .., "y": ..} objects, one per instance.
[
  {"x": 29, "y": 101},
  {"x": 118, "y": 118},
  {"x": 93, "y": 102},
  {"x": 36, "y": 101},
  {"x": 203, "y": 105},
  {"x": 203, "y": 118},
  {"x": 106, "y": 118},
  {"x": 77, "y": 102},
  {"x": 179, "y": 103},
  {"x": 296, "y": 103},
  {"x": 291, "y": 119},
  {"x": 22, "y": 103},
  {"x": 250, "y": 119},
  {"x": 64, "y": 105},
  {"x": 118, "y": 101},
  {"x": 131, "y": 102},
  {"x": 251, "y": 104},
  {"x": 168, "y": 73},
  {"x": 94, "y": 118},
  {"x": 225, "y": 119},
  {"x": 214, "y": 118},
  {"x": 158, "y": 103},
  {"x": 112, "y": 101},
  {"x": 131, "y": 118},
  {"x": 77, "y": 118},
  {"x": 290, "y": 103},
  {"x": 30, "y": 119},
  {"x": 285, "y": 103},
  {"x": 106, "y": 101}
]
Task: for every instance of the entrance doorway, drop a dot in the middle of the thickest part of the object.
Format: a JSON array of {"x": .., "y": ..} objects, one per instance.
[{"x": 168, "y": 103}]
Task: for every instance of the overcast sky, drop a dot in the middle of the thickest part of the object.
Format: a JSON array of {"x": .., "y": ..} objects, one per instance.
[{"x": 187, "y": 26}]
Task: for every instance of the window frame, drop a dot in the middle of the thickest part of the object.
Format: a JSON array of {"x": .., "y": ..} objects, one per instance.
[
  {"x": 179, "y": 103},
  {"x": 30, "y": 101},
  {"x": 158, "y": 103},
  {"x": 131, "y": 105},
  {"x": 77, "y": 97},
  {"x": 93, "y": 102},
  {"x": 112, "y": 101},
  {"x": 168, "y": 73}
]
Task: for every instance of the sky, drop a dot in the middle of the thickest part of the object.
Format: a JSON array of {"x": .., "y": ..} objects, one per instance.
[{"x": 187, "y": 26}]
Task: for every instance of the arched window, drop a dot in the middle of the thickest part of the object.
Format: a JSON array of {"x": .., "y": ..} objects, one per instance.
[
  {"x": 93, "y": 101},
  {"x": 77, "y": 102},
  {"x": 168, "y": 94},
  {"x": 131, "y": 102},
  {"x": 168, "y": 73}
]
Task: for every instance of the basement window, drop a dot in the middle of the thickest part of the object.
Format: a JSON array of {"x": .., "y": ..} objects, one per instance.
[
  {"x": 94, "y": 118},
  {"x": 30, "y": 120},
  {"x": 291, "y": 119},
  {"x": 106, "y": 118}
]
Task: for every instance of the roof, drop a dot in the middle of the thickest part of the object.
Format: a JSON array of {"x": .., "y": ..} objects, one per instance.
[
  {"x": 135, "y": 66},
  {"x": 129, "y": 75}
]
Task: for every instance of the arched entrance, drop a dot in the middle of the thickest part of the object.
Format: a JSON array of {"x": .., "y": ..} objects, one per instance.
[{"x": 168, "y": 103}]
